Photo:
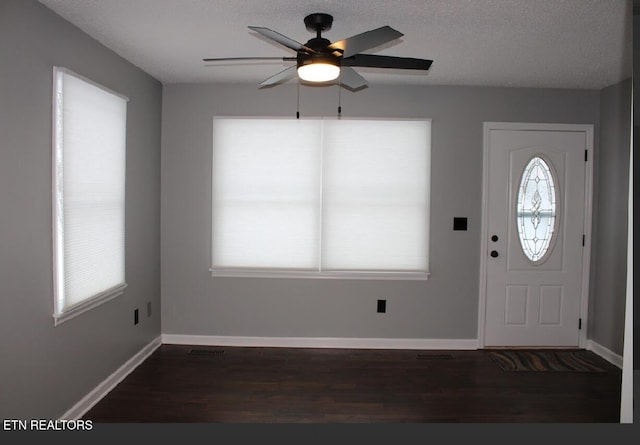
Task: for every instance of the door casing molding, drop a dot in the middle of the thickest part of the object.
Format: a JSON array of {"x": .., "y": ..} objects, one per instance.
[{"x": 588, "y": 212}]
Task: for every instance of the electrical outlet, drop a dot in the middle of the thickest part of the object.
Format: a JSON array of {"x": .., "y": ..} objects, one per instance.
[
  {"x": 148, "y": 309},
  {"x": 382, "y": 305},
  {"x": 135, "y": 316}
]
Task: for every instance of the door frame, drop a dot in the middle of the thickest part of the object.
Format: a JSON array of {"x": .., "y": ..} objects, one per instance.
[{"x": 588, "y": 212}]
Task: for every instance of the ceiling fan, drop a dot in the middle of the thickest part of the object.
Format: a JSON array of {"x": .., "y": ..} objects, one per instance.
[{"x": 320, "y": 61}]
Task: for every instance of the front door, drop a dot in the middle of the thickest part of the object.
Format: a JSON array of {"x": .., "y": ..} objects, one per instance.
[{"x": 536, "y": 189}]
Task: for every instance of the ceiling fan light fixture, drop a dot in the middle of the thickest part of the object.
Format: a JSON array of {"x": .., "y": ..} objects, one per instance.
[{"x": 318, "y": 72}]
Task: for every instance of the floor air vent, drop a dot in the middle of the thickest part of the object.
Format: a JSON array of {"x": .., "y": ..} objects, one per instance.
[
  {"x": 435, "y": 356},
  {"x": 206, "y": 352}
]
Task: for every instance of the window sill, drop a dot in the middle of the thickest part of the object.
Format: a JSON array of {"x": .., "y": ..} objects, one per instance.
[
  {"x": 330, "y": 275},
  {"x": 84, "y": 306}
]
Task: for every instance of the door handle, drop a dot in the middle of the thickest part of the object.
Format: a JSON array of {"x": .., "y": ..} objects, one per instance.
[{"x": 494, "y": 254}]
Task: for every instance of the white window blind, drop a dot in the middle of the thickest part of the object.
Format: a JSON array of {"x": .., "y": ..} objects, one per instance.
[
  {"x": 89, "y": 193},
  {"x": 320, "y": 197},
  {"x": 266, "y": 193},
  {"x": 375, "y": 195}
]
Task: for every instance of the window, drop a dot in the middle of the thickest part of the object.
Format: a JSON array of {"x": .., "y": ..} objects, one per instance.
[
  {"x": 89, "y": 193},
  {"x": 536, "y": 209},
  {"x": 321, "y": 198}
]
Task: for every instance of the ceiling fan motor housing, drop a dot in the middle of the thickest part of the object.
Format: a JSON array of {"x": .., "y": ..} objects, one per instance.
[
  {"x": 308, "y": 59},
  {"x": 321, "y": 55}
]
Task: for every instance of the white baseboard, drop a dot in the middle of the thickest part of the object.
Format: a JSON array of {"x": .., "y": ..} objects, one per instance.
[
  {"x": 605, "y": 353},
  {"x": 321, "y": 342},
  {"x": 88, "y": 401}
]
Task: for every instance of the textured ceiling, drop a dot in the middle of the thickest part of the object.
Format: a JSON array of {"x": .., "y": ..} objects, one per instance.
[{"x": 528, "y": 43}]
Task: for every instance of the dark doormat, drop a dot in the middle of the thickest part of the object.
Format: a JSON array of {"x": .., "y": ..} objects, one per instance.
[{"x": 574, "y": 360}]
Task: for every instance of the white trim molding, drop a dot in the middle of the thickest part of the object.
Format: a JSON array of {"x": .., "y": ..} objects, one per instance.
[
  {"x": 93, "y": 397},
  {"x": 605, "y": 353},
  {"x": 84, "y": 306},
  {"x": 321, "y": 342}
]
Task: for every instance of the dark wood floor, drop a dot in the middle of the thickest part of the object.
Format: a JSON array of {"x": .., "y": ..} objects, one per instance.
[{"x": 282, "y": 385}]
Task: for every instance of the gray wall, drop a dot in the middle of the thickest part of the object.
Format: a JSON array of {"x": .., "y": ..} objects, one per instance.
[
  {"x": 609, "y": 270},
  {"x": 45, "y": 370},
  {"x": 444, "y": 307}
]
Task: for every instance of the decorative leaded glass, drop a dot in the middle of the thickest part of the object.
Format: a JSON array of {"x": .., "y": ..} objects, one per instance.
[{"x": 536, "y": 209}]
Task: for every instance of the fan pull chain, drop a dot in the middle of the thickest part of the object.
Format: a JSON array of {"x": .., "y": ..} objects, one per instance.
[
  {"x": 298, "y": 99},
  {"x": 339, "y": 99}
]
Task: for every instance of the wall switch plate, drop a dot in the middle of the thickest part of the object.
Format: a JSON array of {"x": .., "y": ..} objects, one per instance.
[{"x": 382, "y": 305}]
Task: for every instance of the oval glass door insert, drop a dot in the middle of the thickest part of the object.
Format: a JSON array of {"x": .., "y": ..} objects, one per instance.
[{"x": 536, "y": 209}]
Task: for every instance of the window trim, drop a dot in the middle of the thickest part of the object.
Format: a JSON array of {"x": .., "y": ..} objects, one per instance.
[
  {"x": 88, "y": 304},
  {"x": 330, "y": 275},
  {"x": 61, "y": 315},
  {"x": 249, "y": 272}
]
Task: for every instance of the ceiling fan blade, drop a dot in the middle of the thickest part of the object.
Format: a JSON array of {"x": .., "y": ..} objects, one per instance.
[
  {"x": 351, "y": 79},
  {"x": 375, "y": 61},
  {"x": 362, "y": 42},
  {"x": 231, "y": 59},
  {"x": 281, "y": 39},
  {"x": 282, "y": 76}
]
